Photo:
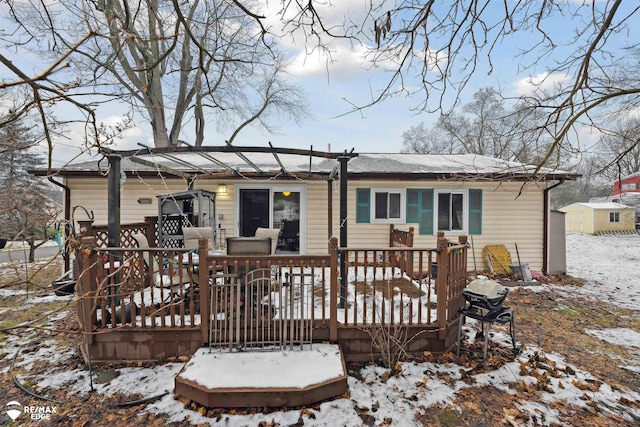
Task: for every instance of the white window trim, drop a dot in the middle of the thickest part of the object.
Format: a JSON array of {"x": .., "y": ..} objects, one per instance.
[
  {"x": 403, "y": 206},
  {"x": 274, "y": 188},
  {"x": 614, "y": 212},
  {"x": 465, "y": 210}
]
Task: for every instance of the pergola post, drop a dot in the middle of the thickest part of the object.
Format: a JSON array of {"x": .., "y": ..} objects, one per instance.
[
  {"x": 113, "y": 202},
  {"x": 343, "y": 229},
  {"x": 113, "y": 211}
]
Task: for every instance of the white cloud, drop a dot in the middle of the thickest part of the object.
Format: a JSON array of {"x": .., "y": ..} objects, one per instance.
[
  {"x": 343, "y": 60},
  {"x": 345, "y": 57},
  {"x": 541, "y": 83}
]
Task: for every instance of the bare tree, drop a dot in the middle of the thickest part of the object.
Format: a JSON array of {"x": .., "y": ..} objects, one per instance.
[
  {"x": 174, "y": 62},
  {"x": 423, "y": 140},
  {"x": 482, "y": 126},
  {"x": 431, "y": 50},
  {"x": 488, "y": 125},
  {"x": 619, "y": 150},
  {"x": 435, "y": 49}
]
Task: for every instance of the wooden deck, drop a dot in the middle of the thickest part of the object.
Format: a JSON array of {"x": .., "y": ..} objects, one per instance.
[{"x": 301, "y": 299}]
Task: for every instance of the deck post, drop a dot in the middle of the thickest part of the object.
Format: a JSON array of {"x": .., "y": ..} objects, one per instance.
[
  {"x": 87, "y": 261},
  {"x": 333, "y": 289},
  {"x": 409, "y": 255},
  {"x": 203, "y": 279},
  {"x": 442, "y": 259}
]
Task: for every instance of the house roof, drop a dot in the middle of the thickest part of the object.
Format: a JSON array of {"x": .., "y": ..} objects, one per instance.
[
  {"x": 626, "y": 198},
  {"x": 273, "y": 162},
  {"x": 604, "y": 206},
  {"x": 626, "y": 177}
]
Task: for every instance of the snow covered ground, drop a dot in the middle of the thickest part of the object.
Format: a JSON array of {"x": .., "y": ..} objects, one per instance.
[{"x": 609, "y": 264}]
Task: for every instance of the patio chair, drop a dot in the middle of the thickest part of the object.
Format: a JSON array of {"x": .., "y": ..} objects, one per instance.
[
  {"x": 167, "y": 277},
  {"x": 192, "y": 234},
  {"x": 271, "y": 233}
]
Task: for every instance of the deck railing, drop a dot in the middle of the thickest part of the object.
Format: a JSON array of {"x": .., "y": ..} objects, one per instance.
[
  {"x": 141, "y": 288},
  {"x": 161, "y": 288}
]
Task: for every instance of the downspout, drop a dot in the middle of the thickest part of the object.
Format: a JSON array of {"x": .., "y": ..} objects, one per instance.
[
  {"x": 67, "y": 218},
  {"x": 545, "y": 238}
]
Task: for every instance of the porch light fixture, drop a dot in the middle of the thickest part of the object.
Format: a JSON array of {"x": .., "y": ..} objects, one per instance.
[
  {"x": 286, "y": 193},
  {"x": 222, "y": 189}
]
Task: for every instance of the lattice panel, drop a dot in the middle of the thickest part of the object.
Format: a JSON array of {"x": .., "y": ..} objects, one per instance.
[
  {"x": 102, "y": 237},
  {"x": 173, "y": 224}
]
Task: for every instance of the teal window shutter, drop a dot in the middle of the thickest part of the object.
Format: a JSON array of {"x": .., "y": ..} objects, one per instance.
[
  {"x": 475, "y": 211},
  {"x": 420, "y": 209},
  {"x": 363, "y": 202}
]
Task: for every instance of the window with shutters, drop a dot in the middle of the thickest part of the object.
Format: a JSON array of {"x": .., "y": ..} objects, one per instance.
[
  {"x": 451, "y": 208},
  {"x": 453, "y": 211}
]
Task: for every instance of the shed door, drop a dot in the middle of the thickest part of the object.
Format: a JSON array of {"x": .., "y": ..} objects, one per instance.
[{"x": 575, "y": 221}]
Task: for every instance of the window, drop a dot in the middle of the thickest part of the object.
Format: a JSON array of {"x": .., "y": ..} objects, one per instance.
[
  {"x": 388, "y": 205},
  {"x": 614, "y": 216},
  {"x": 630, "y": 186},
  {"x": 451, "y": 210}
]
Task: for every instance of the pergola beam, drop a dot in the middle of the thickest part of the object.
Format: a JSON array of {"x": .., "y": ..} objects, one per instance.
[{"x": 232, "y": 149}]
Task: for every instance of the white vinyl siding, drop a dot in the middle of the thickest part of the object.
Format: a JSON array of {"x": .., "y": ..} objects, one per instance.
[{"x": 507, "y": 216}]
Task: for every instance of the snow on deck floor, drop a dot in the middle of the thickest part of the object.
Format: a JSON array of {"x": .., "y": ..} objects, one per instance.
[{"x": 273, "y": 369}]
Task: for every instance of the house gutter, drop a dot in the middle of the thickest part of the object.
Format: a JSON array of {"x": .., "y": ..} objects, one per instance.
[
  {"x": 67, "y": 218},
  {"x": 545, "y": 239}
]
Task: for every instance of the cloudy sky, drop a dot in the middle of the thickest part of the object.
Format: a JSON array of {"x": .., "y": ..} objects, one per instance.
[{"x": 333, "y": 87}]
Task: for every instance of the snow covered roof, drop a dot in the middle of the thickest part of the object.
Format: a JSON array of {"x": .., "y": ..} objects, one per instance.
[
  {"x": 605, "y": 205},
  {"x": 276, "y": 162},
  {"x": 626, "y": 198},
  {"x": 437, "y": 163}
]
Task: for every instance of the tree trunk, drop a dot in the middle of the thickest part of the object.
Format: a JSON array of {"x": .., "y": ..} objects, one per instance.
[{"x": 32, "y": 250}]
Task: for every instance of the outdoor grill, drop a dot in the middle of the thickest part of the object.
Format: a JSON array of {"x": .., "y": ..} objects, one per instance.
[
  {"x": 484, "y": 294},
  {"x": 485, "y": 303}
]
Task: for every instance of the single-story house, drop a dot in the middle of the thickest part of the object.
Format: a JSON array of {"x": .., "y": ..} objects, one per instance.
[
  {"x": 593, "y": 218},
  {"x": 351, "y": 195}
]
